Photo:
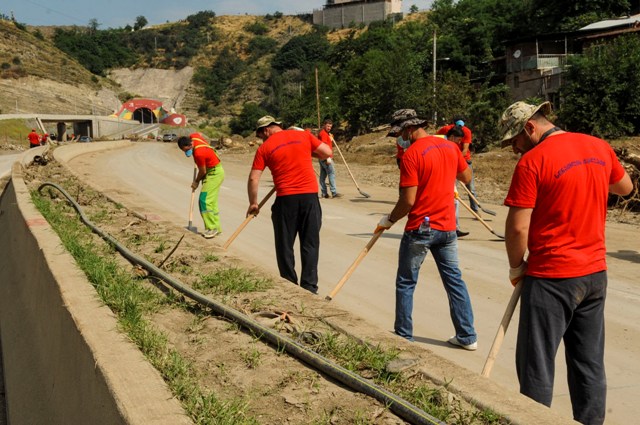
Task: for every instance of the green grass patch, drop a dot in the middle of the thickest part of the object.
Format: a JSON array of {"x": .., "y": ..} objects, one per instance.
[
  {"x": 371, "y": 361},
  {"x": 231, "y": 280},
  {"x": 14, "y": 130},
  {"x": 130, "y": 301}
]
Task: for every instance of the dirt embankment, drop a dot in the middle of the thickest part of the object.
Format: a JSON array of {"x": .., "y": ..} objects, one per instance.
[{"x": 166, "y": 85}]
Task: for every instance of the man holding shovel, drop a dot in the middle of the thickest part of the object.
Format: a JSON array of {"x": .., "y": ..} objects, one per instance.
[
  {"x": 428, "y": 171},
  {"x": 327, "y": 170},
  {"x": 211, "y": 174},
  {"x": 557, "y": 209},
  {"x": 296, "y": 210}
]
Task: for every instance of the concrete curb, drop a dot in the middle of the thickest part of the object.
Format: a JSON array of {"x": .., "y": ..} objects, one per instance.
[{"x": 64, "y": 359}]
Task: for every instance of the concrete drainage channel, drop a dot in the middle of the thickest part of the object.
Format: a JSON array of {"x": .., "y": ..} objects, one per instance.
[{"x": 3, "y": 405}]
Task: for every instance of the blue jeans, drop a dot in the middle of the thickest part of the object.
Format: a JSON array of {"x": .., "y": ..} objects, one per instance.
[
  {"x": 327, "y": 170},
  {"x": 472, "y": 189},
  {"x": 444, "y": 248}
]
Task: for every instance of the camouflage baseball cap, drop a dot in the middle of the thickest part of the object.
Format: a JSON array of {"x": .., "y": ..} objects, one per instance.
[
  {"x": 266, "y": 121},
  {"x": 403, "y": 118},
  {"x": 515, "y": 117}
]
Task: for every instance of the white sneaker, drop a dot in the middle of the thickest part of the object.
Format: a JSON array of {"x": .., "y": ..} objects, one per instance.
[
  {"x": 471, "y": 347},
  {"x": 211, "y": 233}
]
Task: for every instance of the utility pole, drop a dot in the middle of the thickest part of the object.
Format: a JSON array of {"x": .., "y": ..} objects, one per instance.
[
  {"x": 318, "y": 97},
  {"x": 435, "y": 108}
]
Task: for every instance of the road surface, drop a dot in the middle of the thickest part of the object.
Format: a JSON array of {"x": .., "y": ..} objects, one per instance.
[{"x": 155, "y": 178}]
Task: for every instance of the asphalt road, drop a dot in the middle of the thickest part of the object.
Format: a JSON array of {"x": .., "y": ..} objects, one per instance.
[
  {"x": 6, "y": 161},
  {"x": 154, "y": 178}
]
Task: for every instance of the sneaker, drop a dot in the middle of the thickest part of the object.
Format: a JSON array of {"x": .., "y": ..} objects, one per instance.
[
  {"x": 471, "y": 347},
  {"x": 461, "y": 234},
  {"x": 211, "y": 233},
  {"x": 337, "y": 195}
]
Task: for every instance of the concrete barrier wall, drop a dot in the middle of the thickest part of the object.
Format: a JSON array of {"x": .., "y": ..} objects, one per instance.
[{"x": 64, "y": 360}]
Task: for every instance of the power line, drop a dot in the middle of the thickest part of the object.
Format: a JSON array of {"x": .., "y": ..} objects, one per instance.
[{"x": 50, "y": 10}]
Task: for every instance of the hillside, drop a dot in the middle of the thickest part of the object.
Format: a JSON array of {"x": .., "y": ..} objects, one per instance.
[{"x": 37, "y": 77}]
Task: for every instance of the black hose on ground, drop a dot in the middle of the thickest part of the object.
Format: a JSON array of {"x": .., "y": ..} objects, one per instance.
[{"x": 396, "y": 404}]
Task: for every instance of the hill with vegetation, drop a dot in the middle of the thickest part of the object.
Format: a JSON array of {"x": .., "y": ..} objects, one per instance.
[
  {"x": 241, "y": 67},
  {"x": 35, "y": 76}
]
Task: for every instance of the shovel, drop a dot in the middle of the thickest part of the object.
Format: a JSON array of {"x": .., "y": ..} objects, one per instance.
[
  {"x": 475, "y": 214},
  {"x": 190, "y": 226},
  {"x": 366, "y": 195},
  {"x": 502, "y": 330},
  {"x": 353, "y": 266},
  {"x": 488, "y": 211}
]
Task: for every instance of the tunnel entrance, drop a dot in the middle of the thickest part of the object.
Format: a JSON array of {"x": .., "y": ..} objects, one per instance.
[{"x": 145, "y": 115}]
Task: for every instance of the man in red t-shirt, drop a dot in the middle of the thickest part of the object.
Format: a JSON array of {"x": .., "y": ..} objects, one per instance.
[
  {"x": 557, "y": 210},
  {"x": 211, "y": 174},
  {"x": 326, "y": 165},
  {"x": 464, "y": 144},
  {"x": 428, "y": 171},
  {"x": 296, "y": 210},
  {"x": 34, "y": 139}
]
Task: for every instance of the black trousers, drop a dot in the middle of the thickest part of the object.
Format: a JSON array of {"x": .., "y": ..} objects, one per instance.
[
  {"x": 571, "y": 310},
  {"x": 295, "y": 215}
]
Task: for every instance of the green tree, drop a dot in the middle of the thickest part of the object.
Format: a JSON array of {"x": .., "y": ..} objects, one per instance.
[
  {"x": 413, "y": 9},
  {"x": 245, "y": 123},
  {"x": 301, "y": 52},
  {"x": 568, "y": 15},
  {"x": 216, "y": 79},
  {"x": 378, "y": 83},
  {"x": 261, "y": 45},
  {"x": 602, "y": 99},
  {"x": 140, "y": 23},
  {"x": 93, "y": 25}
]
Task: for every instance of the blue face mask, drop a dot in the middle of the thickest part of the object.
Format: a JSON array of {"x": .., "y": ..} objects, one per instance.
[
  {"x": 188, "y": 153},
  {"x": 404, "y": 144}
]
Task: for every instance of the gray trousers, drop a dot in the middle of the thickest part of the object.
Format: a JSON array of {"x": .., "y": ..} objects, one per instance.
[{"x": 571, "y": 310}]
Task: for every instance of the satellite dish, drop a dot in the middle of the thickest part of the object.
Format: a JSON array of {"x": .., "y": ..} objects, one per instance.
[{"x": 517, "y": 54}]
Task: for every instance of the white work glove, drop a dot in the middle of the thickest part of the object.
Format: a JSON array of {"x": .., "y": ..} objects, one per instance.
[
  {"x": 517, "y": 274},
  {"x": 329, "y": 160},
  {"x": 384, "y": 224}
]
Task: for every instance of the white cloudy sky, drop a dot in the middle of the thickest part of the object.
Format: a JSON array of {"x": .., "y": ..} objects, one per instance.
[{"x": 118, "y": 13}]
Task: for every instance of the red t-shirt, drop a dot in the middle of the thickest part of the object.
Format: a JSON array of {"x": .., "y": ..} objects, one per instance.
[
  {"x": 287, "y": 153},
  {"x": 203, "y": 154},
  {"x": 465, "y": 139},
  {"x": 432, "y": 164},
  {"x": 325, "y": 137},
  {"x": 565, "y": 179},
  {"x": 33, "y": 137}
]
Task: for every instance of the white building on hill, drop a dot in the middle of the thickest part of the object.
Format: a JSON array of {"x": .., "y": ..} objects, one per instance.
[{"x": 345, "y": 13}]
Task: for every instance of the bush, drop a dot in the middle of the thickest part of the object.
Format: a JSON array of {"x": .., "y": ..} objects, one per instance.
[
  {"x": 602, "y": 99},
  {"x": 257, "y": 28},
  {"x": 261, "y": 45},
  {"x": 245, "y": 123}
]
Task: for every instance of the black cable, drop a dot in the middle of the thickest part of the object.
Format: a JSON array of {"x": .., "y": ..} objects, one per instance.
[{"x": 396, "y": 404}]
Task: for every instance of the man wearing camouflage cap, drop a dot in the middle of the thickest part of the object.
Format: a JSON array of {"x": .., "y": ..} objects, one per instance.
[
  {"x": 557, "y": 209},
  {"x": 428, "y": 172},
  {"x": 296, "y": 210}
]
